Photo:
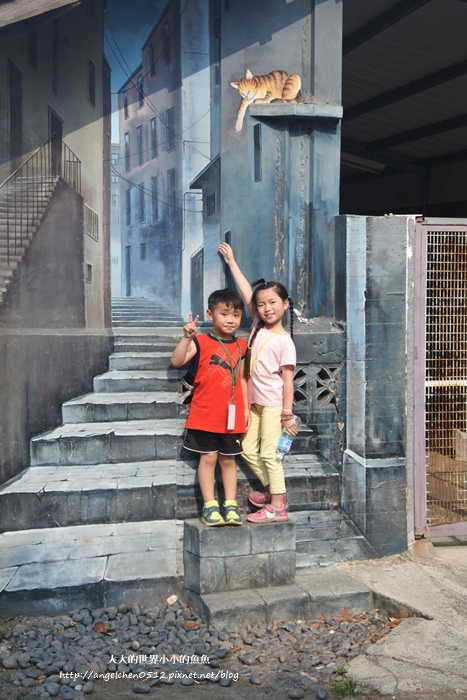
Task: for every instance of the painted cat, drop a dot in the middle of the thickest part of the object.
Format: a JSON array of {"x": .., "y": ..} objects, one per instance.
[{"x": 277, "y": 86}]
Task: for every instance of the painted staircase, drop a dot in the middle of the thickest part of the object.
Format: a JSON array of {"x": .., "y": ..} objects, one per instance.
[
  {"x": 97, "y": 518},
  {"x": 142, "y": 313},
  {"x": 22, "y": 208}
]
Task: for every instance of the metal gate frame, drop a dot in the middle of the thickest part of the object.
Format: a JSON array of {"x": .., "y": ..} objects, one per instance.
[{"x": 422, "y": 529}]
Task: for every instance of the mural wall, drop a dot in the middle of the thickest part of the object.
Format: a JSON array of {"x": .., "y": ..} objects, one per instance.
[
  {"x": 136, "y": 140},
  {"x": 196, "y": 165}
]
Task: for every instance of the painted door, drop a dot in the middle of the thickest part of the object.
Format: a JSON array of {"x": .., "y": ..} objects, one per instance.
[
  {"x": 128, "y": 270},
  {"x": 197, "y": 288},
  {"x": 15, "y": 116},
  {"x": 441, "y": 379},
  {"x": 56, "y": 135}
]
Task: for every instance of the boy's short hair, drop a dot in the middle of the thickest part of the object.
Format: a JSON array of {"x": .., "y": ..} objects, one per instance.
[{"x": 225, "y": 296}]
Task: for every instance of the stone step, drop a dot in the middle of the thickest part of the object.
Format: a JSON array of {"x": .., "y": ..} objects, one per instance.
[
  {"x": 140, "y": 360},
  {"x": 139, "y": 380},
  {"x": 138, "y": 563},
  {"x": 315, "y": 592},
  {"x": 73, "y": 494},
  {"x": 142, "y": 312},
  {"x": 162, "y": 335},
  {"x": 52, "y": 571},
  {"x": 121, "y": 406},
  {"x": 107, "y": 442},
  {"x": 127, "y": 346},
  {"x": 326, "y": 537},
  {"x": 153, "y": 323},
  {"x": 58, "y": 496}
]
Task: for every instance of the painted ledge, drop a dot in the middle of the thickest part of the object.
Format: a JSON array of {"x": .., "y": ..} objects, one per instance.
[{"x": 318, "y": 112}]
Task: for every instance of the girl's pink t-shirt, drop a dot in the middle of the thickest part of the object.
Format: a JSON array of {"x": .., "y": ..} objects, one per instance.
[{"x": 269, "y": 353}]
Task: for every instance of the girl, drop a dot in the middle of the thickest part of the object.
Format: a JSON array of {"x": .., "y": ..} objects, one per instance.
[{"x": 270, "y": 389}]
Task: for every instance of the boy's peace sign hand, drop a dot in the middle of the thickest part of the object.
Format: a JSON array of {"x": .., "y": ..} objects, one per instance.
[{"x": 190, "y": 329}]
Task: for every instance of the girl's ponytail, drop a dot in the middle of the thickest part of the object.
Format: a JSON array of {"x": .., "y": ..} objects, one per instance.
[
  {"x": 259, "y": 325},
  {"x": 291, "y": 315}
]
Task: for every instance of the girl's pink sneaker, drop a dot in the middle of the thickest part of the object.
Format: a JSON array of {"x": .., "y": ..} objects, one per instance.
[
  {"x": 260, "y": 498},
  {"x": 268, "y": 514}
]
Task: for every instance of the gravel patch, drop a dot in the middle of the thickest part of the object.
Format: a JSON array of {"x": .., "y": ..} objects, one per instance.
[{"x": 67, "y": 656}]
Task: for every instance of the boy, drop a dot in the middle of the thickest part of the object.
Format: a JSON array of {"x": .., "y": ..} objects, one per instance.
[{"x": 219, "y": 413}]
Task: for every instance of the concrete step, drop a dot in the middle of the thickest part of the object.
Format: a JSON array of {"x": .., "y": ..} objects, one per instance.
[
  {"x": 78, "y": 494},
  {"x": 142, "y": 312},
  {"x": 153, "y": 323},
  {"x": 140, "y": 360},
  {"x": 52, "y": 571},
  {"x": 120, "y": 406},
  {"x": 315, "y": 592},
  {"x": 144, "y": 346},
  {"x": 107, "y": 442},
  {"x": 58, "y": 496},
  {"x": 139, "y": 380},
  {"x": 328, "y": 536}
]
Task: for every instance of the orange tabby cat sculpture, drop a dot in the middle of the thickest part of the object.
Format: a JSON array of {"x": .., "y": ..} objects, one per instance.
[{"x": 277, "y": 86}]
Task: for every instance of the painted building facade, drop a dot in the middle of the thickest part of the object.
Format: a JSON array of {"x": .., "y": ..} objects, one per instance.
[
  {"x": 164, "y": 142},
  {"x": 56, "y": 124}
]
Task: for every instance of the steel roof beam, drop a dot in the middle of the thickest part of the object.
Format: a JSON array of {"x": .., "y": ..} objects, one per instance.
[
  {"x": 420, "y": 132},
  {"x": 398, "y": 163},
  {"x": 379, "y": 24},
  {"x": 420, "y": 85}
]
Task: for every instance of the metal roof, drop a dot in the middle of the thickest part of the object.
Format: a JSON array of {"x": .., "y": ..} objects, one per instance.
[{"x": 404, "y": 82}]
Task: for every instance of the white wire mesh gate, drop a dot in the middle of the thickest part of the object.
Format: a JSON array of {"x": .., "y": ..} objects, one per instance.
[{"x": 441, "y": 380}]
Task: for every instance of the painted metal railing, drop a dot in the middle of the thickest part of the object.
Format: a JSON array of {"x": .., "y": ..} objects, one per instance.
[{"x": 24, "y": 194}]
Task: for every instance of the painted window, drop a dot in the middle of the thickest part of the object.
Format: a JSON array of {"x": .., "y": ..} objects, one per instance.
[
  {"x": 155, "y": 197},
  {"x": 127, "y": 152},
  {"x": 154, "y": 152},
  {"x": 139, "y": 141},
  {"x": 142, "y": 204},
  {"x": 171, "y": 192},
  {"x": 170, "y": 128},
  {"x": 152, "y": 61},
  {"x": 142, "y": 251},
  {"x": 140, "y": 90},
  {"x": 128, "y": 207},
  {"x": 55, "y": 50},
  {"x": 166, "y": 48},
  {"x": 92, "y": 82},
  {"x": 88, "y": 273},
  {"x": 32, "y": 49},
  {"x": 211, "y": 204},
  {"x": 257, "y": 151},
  {"x": 125, "y": 104}
]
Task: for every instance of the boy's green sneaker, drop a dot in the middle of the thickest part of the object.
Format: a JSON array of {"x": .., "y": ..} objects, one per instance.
[
  {"x": 231, "y": 514},
  {"x": 211, "y": 514}
]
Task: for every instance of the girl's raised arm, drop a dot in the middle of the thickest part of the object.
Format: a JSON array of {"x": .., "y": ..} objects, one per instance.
[{"x": 241, "y": 281}]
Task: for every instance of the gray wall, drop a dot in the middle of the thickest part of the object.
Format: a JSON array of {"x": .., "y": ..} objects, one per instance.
[
  {"x": 38, "y": 371},
  {"x": 375, "y": 460},
  {"x": 48, "y": 288},
  {"x": 46, "y": 354}
]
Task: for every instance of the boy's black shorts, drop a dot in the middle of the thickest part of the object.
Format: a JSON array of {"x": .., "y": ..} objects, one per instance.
[{"x": 201, "y": 441}]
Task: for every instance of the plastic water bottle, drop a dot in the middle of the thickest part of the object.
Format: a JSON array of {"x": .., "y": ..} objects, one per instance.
[{"x": 285, "y": 440}]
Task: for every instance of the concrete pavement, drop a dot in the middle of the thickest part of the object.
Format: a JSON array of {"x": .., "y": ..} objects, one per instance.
[{"x": 422, "y": 655}]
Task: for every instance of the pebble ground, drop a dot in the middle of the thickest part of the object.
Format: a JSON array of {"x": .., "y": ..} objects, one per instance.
[{"x": 70, "y": 656}]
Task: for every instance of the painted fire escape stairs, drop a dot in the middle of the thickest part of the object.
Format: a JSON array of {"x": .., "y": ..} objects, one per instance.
[{"x": 24, "y": 197}]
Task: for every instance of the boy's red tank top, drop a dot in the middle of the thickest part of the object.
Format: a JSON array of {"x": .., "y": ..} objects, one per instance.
[{"x": 213, "y": 386}]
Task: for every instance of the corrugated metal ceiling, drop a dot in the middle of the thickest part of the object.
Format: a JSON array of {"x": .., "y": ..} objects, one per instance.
[{"x": 406, "y": 41}]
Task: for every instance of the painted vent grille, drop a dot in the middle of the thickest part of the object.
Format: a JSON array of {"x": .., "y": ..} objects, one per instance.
[{"x": 446, "y": 376}]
